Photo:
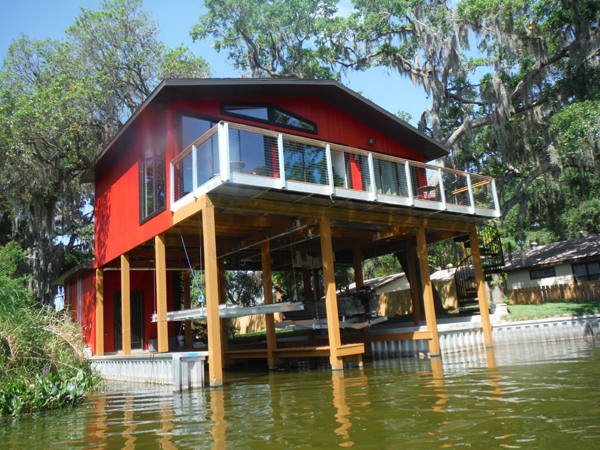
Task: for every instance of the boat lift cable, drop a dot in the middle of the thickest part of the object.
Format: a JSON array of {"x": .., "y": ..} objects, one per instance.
[{"x": 189, "y": 263}]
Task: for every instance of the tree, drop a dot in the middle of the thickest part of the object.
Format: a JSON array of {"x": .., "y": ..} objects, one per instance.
[
  {"x": 60, "y": 102},
  {"x": 497, "y": 74}
]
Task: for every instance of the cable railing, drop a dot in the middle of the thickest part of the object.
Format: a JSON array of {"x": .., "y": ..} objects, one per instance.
[{"x": 245, "y": 155}]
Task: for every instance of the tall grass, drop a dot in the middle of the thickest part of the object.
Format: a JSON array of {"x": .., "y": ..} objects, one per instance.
[{"x": 42, "y": 361}]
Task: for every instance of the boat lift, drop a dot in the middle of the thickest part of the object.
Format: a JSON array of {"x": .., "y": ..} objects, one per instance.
[
  {"x": 232, "y": 311},
  {"x": 355, "y": 323}
]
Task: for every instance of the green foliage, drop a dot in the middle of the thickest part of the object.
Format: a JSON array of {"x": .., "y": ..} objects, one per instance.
[
  {"x": 36, "y": 344},
  {"x": 60, "y": 103}
]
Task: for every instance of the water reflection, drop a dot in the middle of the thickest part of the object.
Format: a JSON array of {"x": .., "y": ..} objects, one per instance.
[
  {"x": 217, "y": 406},
  {"x": 129, "y": 424},
  {"x": 166, "y": 417},
  {"x": 471, "y": 400},
  {"x": 343, "y": 412}
]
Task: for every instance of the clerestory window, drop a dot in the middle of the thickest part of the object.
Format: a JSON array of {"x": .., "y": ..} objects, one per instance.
[{"x": 268, "y": 113}]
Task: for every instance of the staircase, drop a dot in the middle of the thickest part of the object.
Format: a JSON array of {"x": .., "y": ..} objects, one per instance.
[{"x": 492, "y": 260}]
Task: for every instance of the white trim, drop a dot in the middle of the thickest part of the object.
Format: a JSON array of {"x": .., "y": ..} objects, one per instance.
[
  {"x": 486, "y": 212},
  {"x": 394, "y": 199},
  {"x": 172, "y": 185},
  {"x": 224, "y": 151},
  {"x": 408, "y": 182},
  {"x": 353, "y": 194},
  {"x": 460, "y": 209},
  {"x": 255, "y": 180},
  {"x": 194, "y": 167},
  {"x": 496, "y": 201},
  {"x": 329, "y": 169},
  {"x": 471, "y": 198},
  {"x": 281, "y": 161},
  {"x": 308, "y": 187},
  {"x": 428, "y": 204},
  {"x": 441, "y": 186},
  {"x": 372, "y": 177}
]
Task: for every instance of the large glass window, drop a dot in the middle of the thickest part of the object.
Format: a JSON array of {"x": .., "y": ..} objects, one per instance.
[
  {"x": 587, "y": 271},
  {"x": 153, "y": 176},
  {"x": 268, "y": 113}
]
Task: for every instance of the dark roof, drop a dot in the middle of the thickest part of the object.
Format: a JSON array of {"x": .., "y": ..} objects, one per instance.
[
  {"x": 330, "y": 91},
  {"x": 81, "y": 268},
  {"x": 574, "y": 250}
]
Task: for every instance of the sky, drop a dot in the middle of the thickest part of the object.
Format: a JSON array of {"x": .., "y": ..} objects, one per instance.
[{"x": 48, "y": 19}]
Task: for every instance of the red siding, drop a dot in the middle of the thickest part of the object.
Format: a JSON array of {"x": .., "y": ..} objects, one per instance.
[
  {"x": 333, "y": 125},
  {"x": 118, "y": 228},
  {"x": 88, "y": 309},
  {"x": 140, "y": 281},
  {"x": 117, "y": 190}
]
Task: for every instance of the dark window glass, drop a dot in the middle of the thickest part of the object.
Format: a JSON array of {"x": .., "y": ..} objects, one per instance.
[
  {"x": 268, "y": 113},
  {"x": 192, "y": 128},
  {"x": 153, "y": 176},
  {"x": 542, "y": 273},
  {"x": 587, "y": 271},
  {"x": 284, "y": 118},
  {"x": 253, "y": 112}
]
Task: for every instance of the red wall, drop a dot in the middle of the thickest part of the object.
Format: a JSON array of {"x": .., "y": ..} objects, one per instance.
[
  {"x": 117, "y": 190},
  {"x": 117, "y": 205},
  {"x": 140, "y": 281},
  {"x": 88, "y": 305},
  {"x": 333, "y": 124}
]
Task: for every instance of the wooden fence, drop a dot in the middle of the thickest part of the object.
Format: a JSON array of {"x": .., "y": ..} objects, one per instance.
[{"x": 559, "y": 293}]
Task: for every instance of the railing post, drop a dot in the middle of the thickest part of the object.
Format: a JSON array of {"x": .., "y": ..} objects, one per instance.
[
  {"x": 496, "y": 201},
  {"x": 441, "y": 184},
  {"x": 194, "y": 169},
  {"x": 471, "y": 198},
  {"x": 409, "y": 182},
  {"x": 172, "y": 184},
  {"x": 281, "y": 160},
  {"x": 223, "y": 134},
  {"x": 372, "y": 176},
  {"x": 329, "y": 168}
]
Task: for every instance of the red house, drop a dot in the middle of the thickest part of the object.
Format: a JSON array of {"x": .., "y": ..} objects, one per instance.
[{"x": 260, "y": 172}]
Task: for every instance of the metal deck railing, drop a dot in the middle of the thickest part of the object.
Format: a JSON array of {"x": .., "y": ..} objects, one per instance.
[{"x": 245, "y": 155}]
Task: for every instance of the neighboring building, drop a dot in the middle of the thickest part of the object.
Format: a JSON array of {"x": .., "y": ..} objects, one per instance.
[
  {"x": 260, "y": 174},
  {"x": 566, "y": 262}
]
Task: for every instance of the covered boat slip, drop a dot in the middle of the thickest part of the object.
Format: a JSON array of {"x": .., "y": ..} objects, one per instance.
[{"x": 218, "y": 233}]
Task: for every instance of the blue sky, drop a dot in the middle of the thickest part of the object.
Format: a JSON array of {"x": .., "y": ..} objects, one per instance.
[{"x": 43, "y": 18}]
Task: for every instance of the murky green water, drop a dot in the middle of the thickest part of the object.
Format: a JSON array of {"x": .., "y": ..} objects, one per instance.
[{"x": 536, "y": 396}]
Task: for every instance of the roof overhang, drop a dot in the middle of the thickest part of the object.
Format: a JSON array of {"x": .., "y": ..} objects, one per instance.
[{"x": 332, "y": 92}]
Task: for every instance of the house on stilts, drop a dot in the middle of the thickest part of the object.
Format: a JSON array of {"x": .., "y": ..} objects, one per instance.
[{"x": 264, "y": 174}]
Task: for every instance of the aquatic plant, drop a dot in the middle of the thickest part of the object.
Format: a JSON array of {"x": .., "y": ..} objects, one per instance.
[{"x": 42, "y": 360}]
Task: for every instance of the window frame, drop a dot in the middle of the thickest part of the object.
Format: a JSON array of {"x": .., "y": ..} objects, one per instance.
[
  {"x": 270, "y": 115},
  {"x": 533, "y": 276},
  {"x": 156, "y": 142},
  {"x": 587, "y": 272}
]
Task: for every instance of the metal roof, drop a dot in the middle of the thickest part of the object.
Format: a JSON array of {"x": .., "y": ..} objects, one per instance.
[{"x": 329, "y": 91}]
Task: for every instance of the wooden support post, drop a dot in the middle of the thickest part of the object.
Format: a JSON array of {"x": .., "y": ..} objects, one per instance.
[
  {"x": 333, "y": 320},
  {"x": 187, "y": 304},
  {"x": 265, "y": 250},
  {"x": 211, "y": 273},
  {"x": 161, "y": 293},
  {"x": 99, "y": 311},
  {"x": 358, "y": 272},
  {"x": 434, "y": 343},
  {"x": 481, "y": 294},
  {"x": 307, "y": 286},
  {"x": 414, "y": 285},
  {"x": 125, "y": 305}
]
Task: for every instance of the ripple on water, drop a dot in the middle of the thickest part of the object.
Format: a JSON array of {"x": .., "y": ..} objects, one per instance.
[{"x": 537, "y": 396}]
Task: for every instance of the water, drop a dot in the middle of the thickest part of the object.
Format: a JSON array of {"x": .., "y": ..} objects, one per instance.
[{"x": 534, "y": 396}]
